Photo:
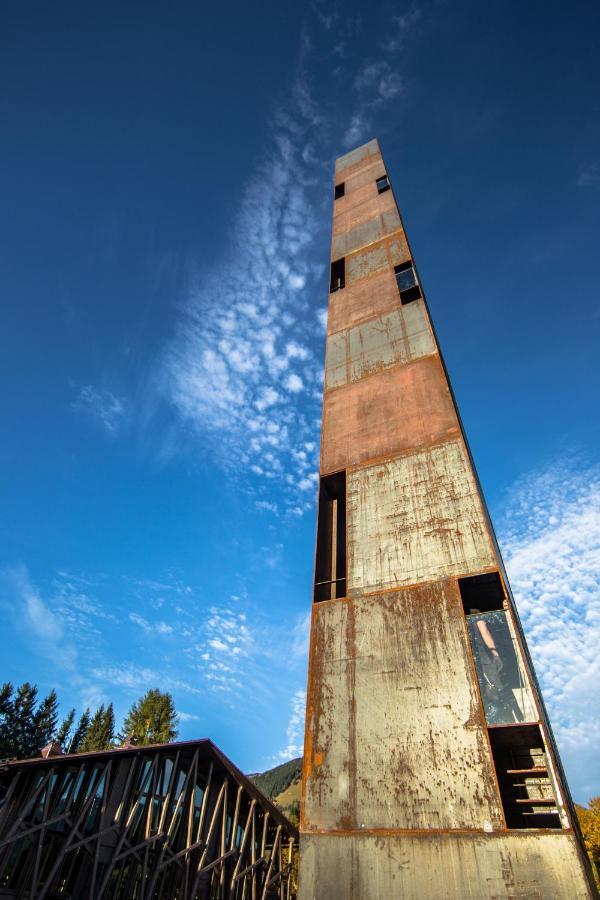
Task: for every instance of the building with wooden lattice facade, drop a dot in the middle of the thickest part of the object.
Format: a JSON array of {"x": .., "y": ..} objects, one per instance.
[{"x": 167, "y": 822}]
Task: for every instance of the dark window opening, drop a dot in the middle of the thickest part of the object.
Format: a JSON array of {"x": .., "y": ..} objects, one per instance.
[
  {"x": 406, "y": 279},
  {"x": 330, "y": 567},
  {"x": 481, "y": 593},
  {"x": 524, "y": 777},
  {"x": 340, "y": 190},
  {"x": 503, "y": 682},
  {"x": 383, "y": 184},
  {"x": 338, "y": 275}
]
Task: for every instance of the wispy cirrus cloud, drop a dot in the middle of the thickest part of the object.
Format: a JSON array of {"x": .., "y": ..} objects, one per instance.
[
  {"x": 140, "y": 678},
  {"x": 37, "y": 619},
  {"x": 379, "y": 80},
  {"x": 550, "y": 536},
  {"x": 589, "y": 176},
  {"x": 244, "y": 368},
  {"x": 295, "y": 729},
  {"x": 102, "y": 406},
  {"x": 160, "y": 627}
]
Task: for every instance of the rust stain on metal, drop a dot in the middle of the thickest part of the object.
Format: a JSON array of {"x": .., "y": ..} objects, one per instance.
[
  {"x": 359, "y": 206},
  {"x": 415, "y": 518},
  {"x": 377, "y": 257},
  {"x": 363, "y": 300},
  {"x": 401, "y": 796},
  {"x": 378, "y": 677},
  {"x": 365, "y": 232},
  {"x": 398, "y": 336},
  {"x": 453, "y": 866},
  {"x": 384, "y": 414}
]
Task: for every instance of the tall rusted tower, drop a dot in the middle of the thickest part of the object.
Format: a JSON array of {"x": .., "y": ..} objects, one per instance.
[{"x": 429, "y": 769}]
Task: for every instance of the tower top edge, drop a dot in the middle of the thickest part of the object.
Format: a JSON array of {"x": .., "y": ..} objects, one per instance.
[{"x": 371, "y": 148}]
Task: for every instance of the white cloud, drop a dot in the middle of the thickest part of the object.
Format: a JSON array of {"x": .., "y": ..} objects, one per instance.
[
  {"x": 293, "y": 383},
  {"x": 550, "y": 536},
  {"x": 296, "y": 282},
  {"x": 295, "y": 729},
  {"x": 37, "y": 619},
  {"x": 322, "y": 317},
  {"x": 101, "y": 405},
  {"x": 267, "y": 506},
  {"x": 247, "y": 348},
  {"x": 158, "y": 627},
  {"x": 401, "y": 25},
  {"x": 589, "y": 176},
  {"x": 140, "y": 678},
  {"x": 188, "y": 717},
  {"x": 217, "y": 644},
  {"x": 357, "y": 130}
]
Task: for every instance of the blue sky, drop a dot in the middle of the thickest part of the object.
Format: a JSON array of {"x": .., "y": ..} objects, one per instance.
[{"x": 166, "y": 181}]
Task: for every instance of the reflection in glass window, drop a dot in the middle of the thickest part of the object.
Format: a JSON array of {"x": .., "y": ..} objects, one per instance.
[
  {"x": 406, "y": 279},
  {"x": 504, "y": 690}
]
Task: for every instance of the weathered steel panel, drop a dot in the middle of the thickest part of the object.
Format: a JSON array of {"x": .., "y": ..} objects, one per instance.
[
  {"x": 415, "y": 518},
  {"x": 388, "y": 253},
  {"x": 393, "y": 338},
  {"x": 441, "y": 867},
  {"x": 365, "y": 233},
  {"x": 398, "y": 250},
  {"x": 336, "y": 360},
  {"x": 363, "y": 300},
  {"x": 385, "y": 414},
  {"x": 396, "y": 337},
  {"x": 355, "y": 156},
  {"x": 392, "y": 682},
  {"x": 368, "y": 262},
  {"x": 358, "y": 210},
  {"x": 363, "y": 175}
]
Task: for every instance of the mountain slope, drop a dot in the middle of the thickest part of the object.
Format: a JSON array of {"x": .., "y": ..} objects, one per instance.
[{"x": 282, "y": 786}]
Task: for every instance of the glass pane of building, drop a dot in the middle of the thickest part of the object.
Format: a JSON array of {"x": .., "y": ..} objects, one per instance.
[
  {"x": 506, "y": 695},
  {"x": 406, "y": 279}
]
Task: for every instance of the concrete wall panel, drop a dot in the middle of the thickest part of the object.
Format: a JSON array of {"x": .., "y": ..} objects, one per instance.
[
  {"x": 366, "y": 174},
  {"x": 388, "y": 253},
  {"x": 368, "y": 262},
  {"x": 395, "y": 337},
  {"x": 390, "y": 412},
  {"x": 365, "y": 233},
  {"x": 336, "y": 360},
  {"x": 442, "y": 867},
  {"x": 356, "y": 213},
  {"x": 362, "y": 301},
  {"x": 414, "y": 753},
  {"x": 415, "y": 518},
  {"x": 350, "y": 160}
]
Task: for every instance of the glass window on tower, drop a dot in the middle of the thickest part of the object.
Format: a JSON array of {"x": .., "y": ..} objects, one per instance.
[{"x": 504, "y": 688}]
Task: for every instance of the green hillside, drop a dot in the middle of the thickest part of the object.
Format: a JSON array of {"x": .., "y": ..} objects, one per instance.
[
  {"x": 282, "y": 786},
  {"x": 274, "y": 781}
]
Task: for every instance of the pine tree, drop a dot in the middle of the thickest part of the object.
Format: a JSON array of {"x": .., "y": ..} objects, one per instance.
[
  {"x": 6, "y": 719},
  {"x": 80, "y": 732},
  {"x": 44, "y": 723},
  {"x": 22, "y": 721},
  {"x": 152, "y": 719},
  {"x": 64, "y": 732},
  {"x": 99, "y": 735}
]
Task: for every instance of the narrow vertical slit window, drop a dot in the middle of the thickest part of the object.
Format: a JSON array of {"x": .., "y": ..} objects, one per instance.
[
  {"x": 406, "y": 279},
  {"x": 340, "y": 190},
  {"x": 338, "y": 275},
  {"x": 330, "y": 566},
  {"x": 383, "y": 184},
  {"x": 524, "y": 777}
]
